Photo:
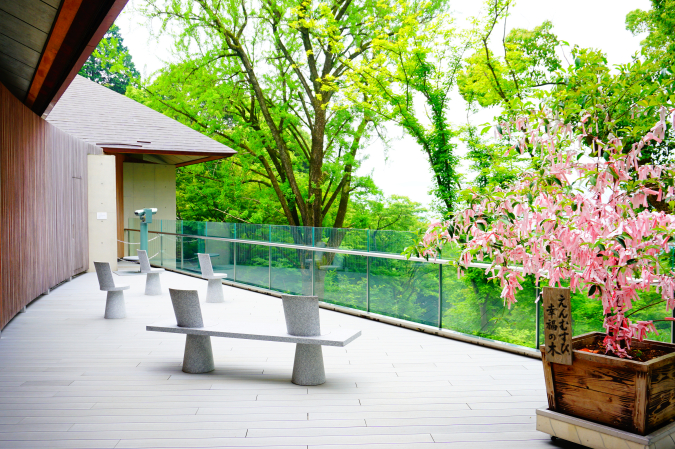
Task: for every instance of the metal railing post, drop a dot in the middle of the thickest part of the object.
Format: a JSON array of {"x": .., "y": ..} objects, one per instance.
[
  {"x": 672, "y": 323},
  {"x": 269, "y": 261},
  {"x": 440, "y": 295},
  {"x": 234, "y": 250},
  {"x": 367, "y": 284},
  {"x": 203, "y": 241},
  {"x": 311, "y": 267},
  {"x": 161, "y": 243},
  {"x": 537, "y": 313},
  {"x": 182, "y": 246}
]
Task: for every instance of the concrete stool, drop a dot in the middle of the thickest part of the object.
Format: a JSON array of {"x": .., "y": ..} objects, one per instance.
[
  {"x": 114, "y": 304},
  {"x": 153, "y": 287},
  {"x": 214, "y": 292},
  {"x": 198, "y": 356},
  {"x": 302, "y": 319}
]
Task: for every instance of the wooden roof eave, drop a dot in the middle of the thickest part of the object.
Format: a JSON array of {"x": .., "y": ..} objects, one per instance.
[
  {"x": 196, "y": 156},
  {"x": 79, "y": 27}
]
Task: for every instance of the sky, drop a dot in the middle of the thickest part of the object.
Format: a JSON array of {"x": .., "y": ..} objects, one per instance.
[{"x": 402, "y": 168}]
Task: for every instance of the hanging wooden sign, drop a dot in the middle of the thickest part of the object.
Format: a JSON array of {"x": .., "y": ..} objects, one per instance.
[{"x": 558, "y": 325}]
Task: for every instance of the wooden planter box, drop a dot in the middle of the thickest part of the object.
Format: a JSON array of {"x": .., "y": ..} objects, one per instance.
[{"x": 637, "y": 397}]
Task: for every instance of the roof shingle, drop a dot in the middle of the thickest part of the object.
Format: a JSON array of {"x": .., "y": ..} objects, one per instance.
[{"x": 110, "y": 120}]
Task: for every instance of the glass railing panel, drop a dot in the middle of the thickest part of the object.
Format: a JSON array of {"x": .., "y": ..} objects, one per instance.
[
  {"x": 187, "y": 248},
  {"x": 405, "y": 289},
  {"x": 154, "y": 248},
  {"x": 167, "y": 254},
  {"x": 216, "y": 229},
  {"x": 172, "y": 226},
  {"x": 193, "y": 228},
  {"x": 587, "y": 315},
  {"x": 253, "y": 232},
  {"x": 292, "y": 235},
  {"x": 348, "y": 239},
  {"x": 221, "y": 252},
  {"x": 133, "y": 239},
  {"x": 222, "y": 256},
  {"x": 472, "y": 304},
  {"x": 134, "y": 223},
  {"x": 341, "y": 279},
  {"x": 392, "y": 242},
  {"x": 291, "y": 271},
  {"x": 252, "y": 264}
]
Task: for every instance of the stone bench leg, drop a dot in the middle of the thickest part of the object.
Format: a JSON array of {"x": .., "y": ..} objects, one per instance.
[
  {"x": 308, "y": 366},
  {"x": 153, "y": 286},
  {"x": 198, "y": 357},
  {"x": 114, "y": 305},
  {"x": 214, "y": 292}
]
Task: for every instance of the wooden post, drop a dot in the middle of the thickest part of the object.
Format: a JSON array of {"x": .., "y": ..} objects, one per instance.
[
  {"x": 119, "y": 181},
  {"x": 550, "y": 389},
  {"x": 642, "y": 387},
  {"x": 558, "y": 325}
]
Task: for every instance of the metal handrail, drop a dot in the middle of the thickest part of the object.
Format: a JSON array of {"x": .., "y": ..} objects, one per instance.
[{"x": 308, "y": 248}]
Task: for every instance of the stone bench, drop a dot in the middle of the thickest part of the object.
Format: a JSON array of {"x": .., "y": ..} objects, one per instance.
[
  {"x": 153, "y": 286},
  {"x": 302, "y": 317},
  {"x": 214, "y": 291},
  {"x": 114, "y": 304}
]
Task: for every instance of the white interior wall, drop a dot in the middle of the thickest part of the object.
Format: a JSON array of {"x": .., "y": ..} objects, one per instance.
[{"x": 102, "y": 210}]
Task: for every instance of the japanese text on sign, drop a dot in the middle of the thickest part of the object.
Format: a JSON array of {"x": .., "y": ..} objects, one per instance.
[{"x": 558, "y": 325}]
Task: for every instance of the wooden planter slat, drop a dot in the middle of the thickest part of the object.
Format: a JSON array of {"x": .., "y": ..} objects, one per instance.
[{"x": 638, "y": 397}]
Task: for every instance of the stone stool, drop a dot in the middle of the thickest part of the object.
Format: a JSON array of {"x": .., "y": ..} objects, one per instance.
[
  {"x": 114, "y": 304},
  {"x": 198, "y": 356},
  {"x": 302, "y": 319},
  {"x": 153, "y": 287},
  {"x": 214, "y": 292}
]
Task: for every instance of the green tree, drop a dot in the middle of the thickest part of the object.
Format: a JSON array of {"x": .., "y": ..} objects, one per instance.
[
  {"x": 529, "y": 61},
  {"x": 267, "y": 78},
  {"x": 110, "y": 64},
  {"x": 659, "y": 24},
  {"x": 611, "y": 101},
  {"x": 427, "y": 61},
  {"x": 225, "y": 191},
  {"x": 492, "y": 163},
  {"x": 396, "y": 213},
  {"x": 421, "y": 61}
]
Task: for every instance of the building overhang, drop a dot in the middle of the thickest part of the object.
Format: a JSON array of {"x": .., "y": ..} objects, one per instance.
[
  {"x": 158, "y": 156},
  {"x": 44, "y": 44}
]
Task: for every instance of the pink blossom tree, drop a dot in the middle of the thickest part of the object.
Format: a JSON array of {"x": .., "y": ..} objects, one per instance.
[{"x": 578, "y": 216}]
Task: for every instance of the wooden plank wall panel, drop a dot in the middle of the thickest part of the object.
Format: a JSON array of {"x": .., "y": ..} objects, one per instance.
[{"x": 43, "y": 205}]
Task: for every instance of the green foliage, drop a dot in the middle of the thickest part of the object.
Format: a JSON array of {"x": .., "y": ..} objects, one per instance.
[
  {"x": 268, "y": 79},
  {"x": 225, "y": 191},
  {"x": 397, "y": 213},
  {"x": 659, "y": 23},
  {"x": 110, "y": 63},
  {"x": 422, "y": 61},
  {"x": 529, "y": 79},
  {"x": 529, "y": 61},
  {"x": 493, "y": 165},
  {"x": 621, "y": 102}
]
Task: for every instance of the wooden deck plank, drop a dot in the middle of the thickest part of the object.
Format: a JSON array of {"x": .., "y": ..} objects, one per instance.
[{"x": 69, "y": 378}]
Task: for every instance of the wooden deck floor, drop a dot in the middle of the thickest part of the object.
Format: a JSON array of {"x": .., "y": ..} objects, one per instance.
[{"x": 70, "y": 379}]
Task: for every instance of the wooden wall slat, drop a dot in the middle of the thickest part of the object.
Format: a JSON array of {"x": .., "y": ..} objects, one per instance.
[{"x": 43, "y": 205}]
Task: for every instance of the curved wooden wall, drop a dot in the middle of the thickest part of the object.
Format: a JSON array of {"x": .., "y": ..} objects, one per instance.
[{"x": 43, "y": 205}]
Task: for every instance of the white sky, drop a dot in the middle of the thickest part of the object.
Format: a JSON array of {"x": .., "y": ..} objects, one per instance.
[{"x": 403, "y": 169}]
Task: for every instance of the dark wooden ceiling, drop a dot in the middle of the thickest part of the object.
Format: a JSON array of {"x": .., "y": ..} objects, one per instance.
[
  {"x": 24, "y": 28},
  {"x": 44, "y": 43}
]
